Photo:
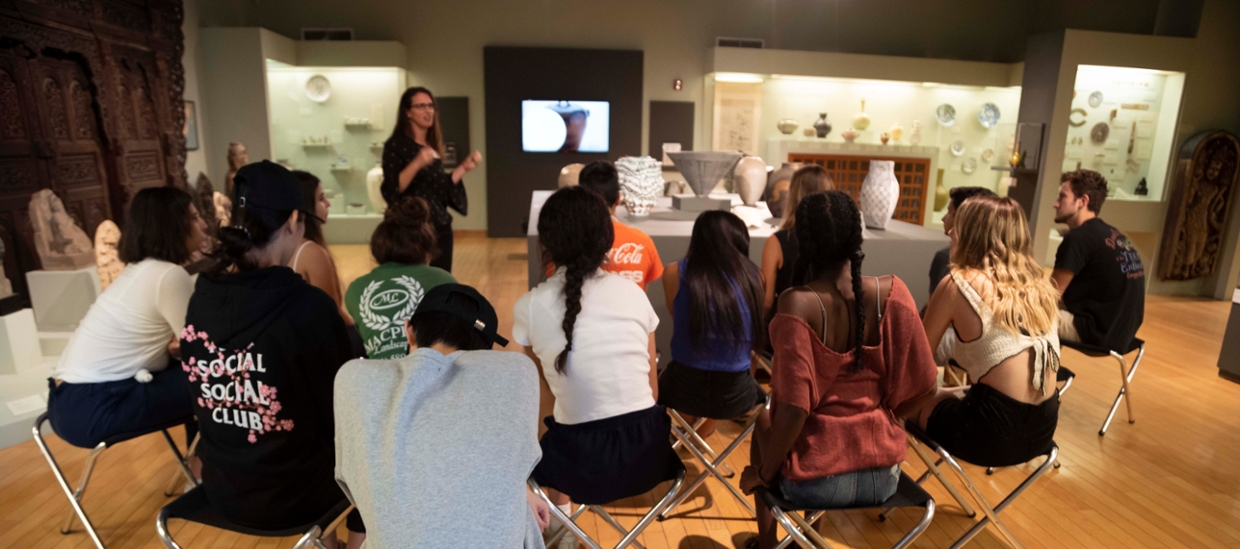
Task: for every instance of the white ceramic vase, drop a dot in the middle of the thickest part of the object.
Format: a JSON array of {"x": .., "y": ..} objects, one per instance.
[
  {"x": 641, "y": 183},
  {"x": 879, "y": 194},
  {"x": 914, "y": 136},
  {"x": 750, "y": 179},
  {"x": 374, "y": 180}
]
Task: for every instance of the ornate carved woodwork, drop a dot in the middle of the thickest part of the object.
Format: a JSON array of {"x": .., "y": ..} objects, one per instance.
[
  {"x": 90, "y": 107},
  {"x": 1197, "y": 218},
  {"x": 848, "y": 172}
]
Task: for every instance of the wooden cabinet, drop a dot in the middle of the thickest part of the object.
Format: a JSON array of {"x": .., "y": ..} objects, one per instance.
[{"x": 849, "y": 172}]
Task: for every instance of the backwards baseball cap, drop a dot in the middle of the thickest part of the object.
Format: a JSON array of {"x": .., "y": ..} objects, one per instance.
[
  {"x": 269, "y": 186},
  {"x": 465, "y": 303}
]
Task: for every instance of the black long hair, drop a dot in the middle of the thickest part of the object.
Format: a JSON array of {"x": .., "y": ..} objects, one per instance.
[
  {"x": 309, "y": 196},
  {"x": 158, "y": 226},
  {"x": 252, "y": 228},
  {"x": 724, "y": 283},
  {"x": 829, "y": 235},
  {"x": 575, "y": 231},
  {"x": 434, "y": 134}
]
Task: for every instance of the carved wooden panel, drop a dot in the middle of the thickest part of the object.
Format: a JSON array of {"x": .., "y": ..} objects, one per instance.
[
  {"x": 848, "y": 172},
  {"x": 1197, "y": 218}
]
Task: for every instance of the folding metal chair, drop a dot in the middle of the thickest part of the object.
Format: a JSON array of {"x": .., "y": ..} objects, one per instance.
[
  {"x": 712, "y": 462},
  {"x": 918, "y": 438},
  {"x": 75, "y": 496},
  {"x": 630, "y": 536},
  {"x": 194, "y": 507},
  {"x": 800, "y": 526},
  {"x": 1125, "y": 372}
]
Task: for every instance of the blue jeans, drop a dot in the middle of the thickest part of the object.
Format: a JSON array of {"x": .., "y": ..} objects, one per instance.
[
  {"x": 86, "y": 414},
  {"x": 864, "y": 488}
]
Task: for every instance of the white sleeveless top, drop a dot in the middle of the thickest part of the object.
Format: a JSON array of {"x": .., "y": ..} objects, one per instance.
[{"x": 997, "y": 344}]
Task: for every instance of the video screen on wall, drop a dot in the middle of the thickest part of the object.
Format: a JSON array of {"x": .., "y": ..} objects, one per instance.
[{"x": 565, "y": 126}]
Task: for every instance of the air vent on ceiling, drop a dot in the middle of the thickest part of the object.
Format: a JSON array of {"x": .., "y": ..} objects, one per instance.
[
  {"x": 725, "y": 42},
  {"x": 331, "y": 34}
]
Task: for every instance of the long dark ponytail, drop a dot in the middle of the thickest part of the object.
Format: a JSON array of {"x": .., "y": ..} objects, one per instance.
[
  {"x": 829, "y": 234},
  {"x": 575, "y": 230},
  {"x": 718, "y": 271}
]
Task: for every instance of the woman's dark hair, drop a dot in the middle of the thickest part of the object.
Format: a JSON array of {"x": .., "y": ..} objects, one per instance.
[
  {"x": 601, "y": 177},
  {"x": 251, "y": 229},
  {"x": 158, "y": 226},
  {"x": 434, "y": 134},
  {"x": 575, "y": 230},
  {"x": 405, "y": 235},
  {"x": 309, "y": 196},
  {"x": 724, "y": 284},
  {"x": 828, "y": 235}
]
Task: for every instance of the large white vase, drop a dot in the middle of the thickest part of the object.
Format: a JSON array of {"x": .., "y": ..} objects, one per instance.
[
  {"x": 374, "y": 179},
  {"x": 879, "y": 194},
  {"x": 750, "y": 179},
  {"x": 641, "y": 183}
]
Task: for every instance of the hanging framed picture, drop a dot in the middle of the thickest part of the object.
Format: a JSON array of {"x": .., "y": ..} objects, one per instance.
[{"x": 190, "y": 131}]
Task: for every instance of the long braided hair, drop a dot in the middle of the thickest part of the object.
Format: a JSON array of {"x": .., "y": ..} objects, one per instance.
[
  {"x": 829, "y": 235},
  {"x": 576, "y": 233}
]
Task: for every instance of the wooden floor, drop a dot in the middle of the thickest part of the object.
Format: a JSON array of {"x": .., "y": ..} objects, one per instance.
[{"x": 1172, "y": 479}]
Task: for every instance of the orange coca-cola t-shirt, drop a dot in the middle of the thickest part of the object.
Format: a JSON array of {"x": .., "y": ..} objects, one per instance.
[{"x": 632, "y": 256}]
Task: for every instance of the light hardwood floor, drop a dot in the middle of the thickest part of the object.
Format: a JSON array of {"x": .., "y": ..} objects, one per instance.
[{"x": 1172, "y": 479}]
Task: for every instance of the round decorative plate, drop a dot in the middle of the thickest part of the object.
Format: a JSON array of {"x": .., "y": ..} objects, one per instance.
[
  {"x": 987, "y": 155},
  {"x": 969, "y": 166},
  {"x": 988, "y": 115},
  {"x": 1095, "y": 99},
  {"x": 1100, "y": 132},
  {"x": 945, "y": 114},
  {"x": 957, "y": 147},
  {"x": 318, "y": 89}
]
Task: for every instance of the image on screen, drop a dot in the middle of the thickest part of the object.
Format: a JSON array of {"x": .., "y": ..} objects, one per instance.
[{"x": 565, "y": 126}]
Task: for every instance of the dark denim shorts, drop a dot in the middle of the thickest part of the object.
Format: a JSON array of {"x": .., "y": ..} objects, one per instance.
[{"x": 863, "y": 488}]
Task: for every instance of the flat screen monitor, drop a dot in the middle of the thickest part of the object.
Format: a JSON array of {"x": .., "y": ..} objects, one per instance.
[{"x": 565, "y": 126}]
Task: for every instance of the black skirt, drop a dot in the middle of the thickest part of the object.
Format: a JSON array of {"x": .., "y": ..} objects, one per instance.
[
  {"x": 610, "y": 459},
  {"x": 707, "y": 393},
  {"x": 991, "y": 429}
]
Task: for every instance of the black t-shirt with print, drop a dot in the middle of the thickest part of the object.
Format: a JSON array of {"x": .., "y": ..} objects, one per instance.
[
  {"x": 432, "y": 183},
  {"x": 1107, "y": 292}
]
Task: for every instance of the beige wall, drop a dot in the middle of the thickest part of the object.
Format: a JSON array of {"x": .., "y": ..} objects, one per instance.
[{"x": 191, "y": 61}]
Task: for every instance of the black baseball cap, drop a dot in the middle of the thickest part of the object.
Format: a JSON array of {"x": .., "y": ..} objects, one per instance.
[
  {"x": 269, "y": 186},
  {"x": 446, "y": 298}
]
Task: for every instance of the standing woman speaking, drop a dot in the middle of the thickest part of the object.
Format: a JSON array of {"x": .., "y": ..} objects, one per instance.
[{"x": 412, "y": 165}]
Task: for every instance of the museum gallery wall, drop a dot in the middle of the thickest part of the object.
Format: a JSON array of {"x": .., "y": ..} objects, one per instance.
[{"x": 90, "y": 109}]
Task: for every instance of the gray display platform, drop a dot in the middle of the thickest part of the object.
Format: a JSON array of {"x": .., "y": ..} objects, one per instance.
[
  {"x": 903, "y": 249},
  {"x": 60, "y": 299}
]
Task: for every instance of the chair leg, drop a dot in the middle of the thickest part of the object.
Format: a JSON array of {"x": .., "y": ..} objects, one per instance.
[
  {"x": 992, "y": 514},
  {"x": 789, "y": 539},
  {"x": 676, "y": 443},
  {"x": 695, "y": 437},
  {"x": 794, "y": 532},
  {"x": 63, "y": 482},
  {"x": 654, "y": 512},
  {"x": 183, "y": 472},
  {"x": 603, "y": 514},
  {"x": 564, "y": 519},
  {"x": 581, "y": 509},
  {"x": 310, "y": 539},
  {"x": 81, "y": 489},
  {"x": 933, "y": 466},
  {"x": 912, "y": 535},
  {"x": 1126, "y": 375},
  {"x": 807, "y": 528},
  {"x": 711, "y": 469},
  {"x": 161, "y": 529}
]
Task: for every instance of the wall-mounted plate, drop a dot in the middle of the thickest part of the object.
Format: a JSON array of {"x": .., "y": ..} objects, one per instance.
[
  {"x": 969, "y": 166},
  {"x": 318, "y": 88},
  {"x": 988, "y": 115},
  {"x": 1095, "y": 99},
  {"x": 945, "y": 114},
  {"x": 957, "y": 147}
]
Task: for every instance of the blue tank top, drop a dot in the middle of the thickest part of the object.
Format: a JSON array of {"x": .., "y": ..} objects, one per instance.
[{"x": 718, "y": 354}]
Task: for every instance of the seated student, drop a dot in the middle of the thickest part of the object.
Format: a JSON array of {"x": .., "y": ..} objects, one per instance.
[
  {"x": 480, "y": 407},
  {"x": 591, "y": 333},
  {"x": 312, "y": 260},
  {"x": 632, "y": 255},
  {"x": 940, "y": 266},
  {"x": 112, "y": 377},
  {"x": 1097, "y": 269},
  {"x": 779, "y": 261},
  {"x": 1003, "y": 311},
  {"x": 850, "y": 358},
  {"x": 383, "y": 299},
  {"x": 261, "y": 347},
  {"x": 715, "y": 297}
]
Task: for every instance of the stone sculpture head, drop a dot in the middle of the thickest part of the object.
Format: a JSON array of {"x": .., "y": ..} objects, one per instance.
[{"x": 238, "y": 156}]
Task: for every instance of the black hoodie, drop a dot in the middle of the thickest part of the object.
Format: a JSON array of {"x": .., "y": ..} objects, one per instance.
[{"x": 262, "y": 349}]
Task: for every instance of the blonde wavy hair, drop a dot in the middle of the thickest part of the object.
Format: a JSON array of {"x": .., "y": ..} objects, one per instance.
[
  {"x": 805, "y": 181},
  {"x": 992, "y": 238}
]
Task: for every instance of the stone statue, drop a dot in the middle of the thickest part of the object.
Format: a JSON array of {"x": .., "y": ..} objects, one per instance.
[
  {"x": 223, "y": 208},
  {"x": 1197, "y": 217},
  {"x": 60, "y": 243},
  {"x": 204, "y": 200},
  {"x": 237, "y": 157},
  {"x": 107, "y": 255},
  {"x": 6, "y": 288}
]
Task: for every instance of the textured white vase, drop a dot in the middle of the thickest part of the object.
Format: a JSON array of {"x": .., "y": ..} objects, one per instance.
[
  {"x": 374, "y": 180},
  {"x": 879, "y": 194},
  {"x": 750, "y": 179},
  {"x": 641, "y": 183}
]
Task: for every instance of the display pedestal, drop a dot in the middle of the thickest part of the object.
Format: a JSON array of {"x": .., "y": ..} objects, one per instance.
[
  {"x": 1228, "y": 358},
  {"x": 694, "y": 203},
  {"x": 60, "y": 299},
  {"x": 19, "y": 343},
  {"x": 350, "y": 229}
]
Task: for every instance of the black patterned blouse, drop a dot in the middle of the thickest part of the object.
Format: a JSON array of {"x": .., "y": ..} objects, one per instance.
[{"x": 432, "y": 183}]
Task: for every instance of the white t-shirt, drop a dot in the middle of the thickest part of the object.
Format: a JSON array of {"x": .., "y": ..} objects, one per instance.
[
  {"x": 129, "y": 327},
  {"x": 607, "y": 373}
]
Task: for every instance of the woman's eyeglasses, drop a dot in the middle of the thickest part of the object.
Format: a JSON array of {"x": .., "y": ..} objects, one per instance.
[{"x": 423, "y": 106}]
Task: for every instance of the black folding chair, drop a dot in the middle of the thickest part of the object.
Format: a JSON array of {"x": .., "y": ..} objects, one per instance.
[
  {"x": 799, "y": 521},
  {"x": 630, "y": 536},
  {"x": 194, "y": 507},
  {"x": 1126, "y": 373},
  {"x": 714, "y": 464},
  {"x": 75, "y": 496}
]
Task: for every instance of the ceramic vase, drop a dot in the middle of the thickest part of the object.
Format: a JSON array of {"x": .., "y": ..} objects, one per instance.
[
  {"x": 750, "y": 176},
  {"x": 849, "y": 135},
  {"x": 374, "y": 180},
  {"x": 568, "y": 175},
  {"x": 914, "y": 136},
  {"x": 822, "y": 125},
  {"x": 941, "y": 197},
  {"x": 787, "y": 126},
  {"x": 884, "y": 138},
  {"x": 777, "y": 185},
  {"x": 879, "y": 194},
  {"x": 896, "y": 131},
  {"x": 862, "y": 120},
  {"x": 641, "y": 183}
]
